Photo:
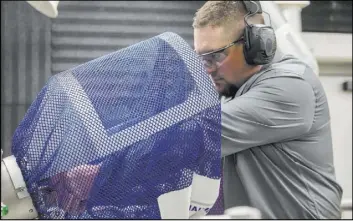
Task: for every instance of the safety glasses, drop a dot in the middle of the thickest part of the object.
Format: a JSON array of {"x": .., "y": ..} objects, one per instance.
[{"x": 212, "y": 59}]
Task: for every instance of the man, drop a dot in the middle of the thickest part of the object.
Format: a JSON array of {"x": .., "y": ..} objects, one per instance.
[{"x": 276, "y": 135}]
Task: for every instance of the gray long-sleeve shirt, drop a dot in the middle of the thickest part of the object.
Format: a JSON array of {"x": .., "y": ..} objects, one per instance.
[{"x": 277, "y": 147}]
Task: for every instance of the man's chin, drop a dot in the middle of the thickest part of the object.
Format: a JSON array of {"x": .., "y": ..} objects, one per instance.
[
  {"x": 227, "y": 92},
  {"x": 222, "y": 92}
]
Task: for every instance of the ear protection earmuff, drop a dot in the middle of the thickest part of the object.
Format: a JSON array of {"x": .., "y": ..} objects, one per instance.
[{"x": 259, "y": 40}]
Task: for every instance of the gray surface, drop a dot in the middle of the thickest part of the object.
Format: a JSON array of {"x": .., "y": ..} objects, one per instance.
[
  {"x": 88, "y": 29},
  {"x": 328, "y": 16},
  {"x": 18, "y": 208},
  {"x": 276, "y": 139},
  {"x": 25, "y": 62}
]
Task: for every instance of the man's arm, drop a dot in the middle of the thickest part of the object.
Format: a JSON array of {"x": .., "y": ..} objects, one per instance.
[{"x": 273, "y": 110}]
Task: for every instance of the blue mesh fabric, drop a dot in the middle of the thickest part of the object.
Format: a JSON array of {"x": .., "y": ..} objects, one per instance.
[{"x": 103, "y": 140}]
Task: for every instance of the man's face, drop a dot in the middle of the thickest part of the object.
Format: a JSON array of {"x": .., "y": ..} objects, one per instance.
[{"x": 232, "y": 67}]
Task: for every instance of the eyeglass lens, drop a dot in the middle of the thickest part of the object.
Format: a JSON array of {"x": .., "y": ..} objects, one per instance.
[{"x": 212, "y": 60}]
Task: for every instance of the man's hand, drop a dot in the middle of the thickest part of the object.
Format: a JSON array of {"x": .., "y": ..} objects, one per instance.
[{"x": 72, "y": 188}]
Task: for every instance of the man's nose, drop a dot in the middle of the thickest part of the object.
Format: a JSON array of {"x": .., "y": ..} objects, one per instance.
[{"x": 212, "y": 71}]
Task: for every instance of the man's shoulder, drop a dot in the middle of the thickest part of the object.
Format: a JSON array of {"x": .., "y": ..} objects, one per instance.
[
  {"x": 287, "y": 66},
  {"x": 283, "y": 71}
]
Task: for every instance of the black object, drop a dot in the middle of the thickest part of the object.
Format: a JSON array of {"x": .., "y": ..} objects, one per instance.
[
  {"x": 347, "y": 86},
  {"x": 260, "y": 40},
  {"x": 327, "y": 16},
  {"x": 253, "y": 7}
]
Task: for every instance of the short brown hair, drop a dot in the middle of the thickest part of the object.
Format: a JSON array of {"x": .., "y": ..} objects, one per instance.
[
  {"x": 218, "y": 13},
  {"x": 221, "y": 13}
]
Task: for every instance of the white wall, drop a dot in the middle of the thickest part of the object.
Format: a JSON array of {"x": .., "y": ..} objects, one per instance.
[{"x": 330, "y": 47}]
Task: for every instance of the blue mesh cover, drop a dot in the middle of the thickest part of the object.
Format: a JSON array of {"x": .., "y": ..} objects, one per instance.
[{"x": 105, "y": 139}]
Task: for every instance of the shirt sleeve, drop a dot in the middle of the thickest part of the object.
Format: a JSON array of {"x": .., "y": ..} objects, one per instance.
[{"x": 273, "y": 110}]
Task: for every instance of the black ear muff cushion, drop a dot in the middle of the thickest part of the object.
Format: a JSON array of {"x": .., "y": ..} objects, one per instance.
[
  {"x": 268, "y": 37},
  {"x": 260, "y": 44}
]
